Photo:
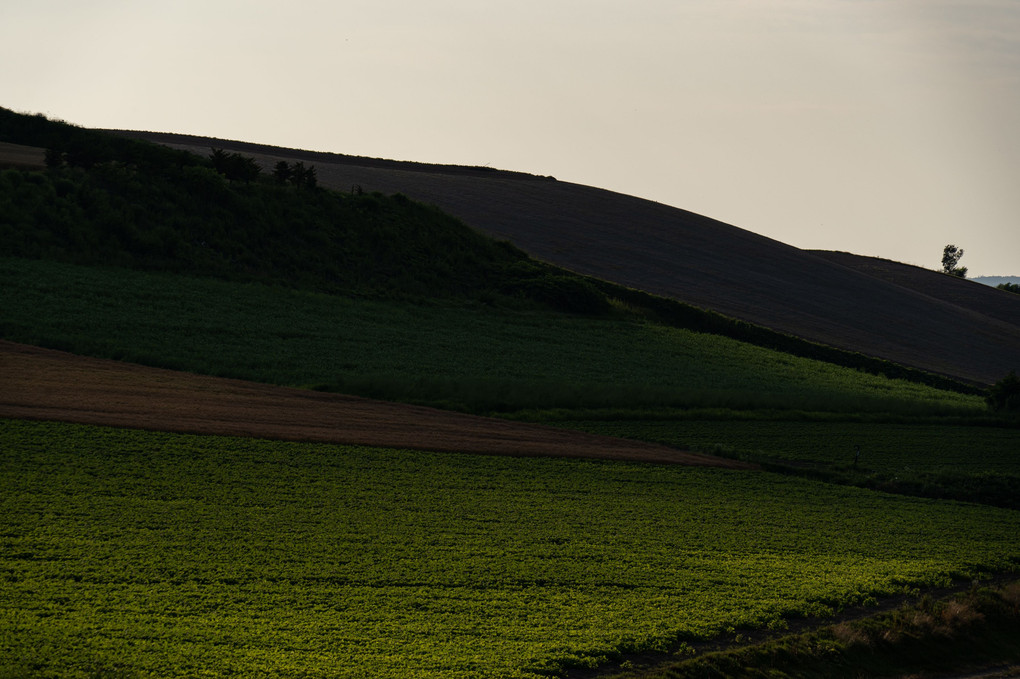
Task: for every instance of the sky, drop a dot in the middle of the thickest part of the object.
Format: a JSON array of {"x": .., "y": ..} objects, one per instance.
[{"x": 887, "y": 128}]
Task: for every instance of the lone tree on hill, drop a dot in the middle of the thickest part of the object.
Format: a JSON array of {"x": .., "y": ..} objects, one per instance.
[{"x": 950, "y": 258}]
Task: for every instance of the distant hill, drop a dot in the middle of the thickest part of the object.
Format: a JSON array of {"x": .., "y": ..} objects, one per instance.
[
  {"x": 921, "y": 321},
  {"x": 997, "y": 280}
]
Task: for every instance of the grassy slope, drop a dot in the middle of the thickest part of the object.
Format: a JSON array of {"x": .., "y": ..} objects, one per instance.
[
  {"x": 191, "y": 220},
  {"x": 127, "y": 203}
]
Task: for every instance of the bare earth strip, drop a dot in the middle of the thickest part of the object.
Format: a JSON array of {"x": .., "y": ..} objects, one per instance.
[{"x": 43, "y": 384}]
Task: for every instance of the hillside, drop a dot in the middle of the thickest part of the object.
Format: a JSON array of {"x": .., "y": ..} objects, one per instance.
[
  {"x": 678, "y": 254},
  {"x": 994, "y": 281},
  {"x": 113, "y": 201}
]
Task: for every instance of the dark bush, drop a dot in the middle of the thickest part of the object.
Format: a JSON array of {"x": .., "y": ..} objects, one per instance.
[
  {"x": 1004, "y": 395},
  {"x": 1009, "y": 287},
  {"x": 234, "y": 166}
]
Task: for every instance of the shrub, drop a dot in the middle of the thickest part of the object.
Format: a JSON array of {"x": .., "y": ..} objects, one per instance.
[{"x": 1004, "y": 395}]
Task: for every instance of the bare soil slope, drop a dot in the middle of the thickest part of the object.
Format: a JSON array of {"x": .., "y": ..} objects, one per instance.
[
  {"x": 967, "y": 294},
  {"x": 23, "y": 157},
  {"x": 44, "y": 384},
  {"x": 678, "y": 254}
]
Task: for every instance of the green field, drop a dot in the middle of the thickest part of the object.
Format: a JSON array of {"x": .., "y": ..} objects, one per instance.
[
  {"x": 465, "y": 356},
  {"x": 128, "y": 553}
]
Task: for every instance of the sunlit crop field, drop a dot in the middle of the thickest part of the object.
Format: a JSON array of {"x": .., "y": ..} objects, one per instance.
[{"x": 168, "y": 555}]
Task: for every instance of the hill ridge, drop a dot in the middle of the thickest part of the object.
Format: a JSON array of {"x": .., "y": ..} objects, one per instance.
[{"x": 190, "y": 140}]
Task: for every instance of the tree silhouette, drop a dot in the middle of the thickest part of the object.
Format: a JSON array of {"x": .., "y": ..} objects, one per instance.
[
  {"x": 219, "y": 159},
  {"x": 303, "y": 176},
  {"x": 235, "y": 166},
  {"x": 282, "y": 172},
  {"x": 950, "y": 258}
]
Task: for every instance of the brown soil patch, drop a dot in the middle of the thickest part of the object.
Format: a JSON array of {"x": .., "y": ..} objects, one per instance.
[{"x": 43, "y": 384}]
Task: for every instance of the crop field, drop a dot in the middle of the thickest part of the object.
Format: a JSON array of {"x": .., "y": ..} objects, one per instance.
[
  {"x": 468, "y": 357},
  {"x": 886, "y": 447},
  {"x": 130, "y": 553}
]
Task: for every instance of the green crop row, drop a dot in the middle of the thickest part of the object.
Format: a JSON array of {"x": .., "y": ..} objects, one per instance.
[
  {"x": 469, "y": 357},
  {"x": 146, "y": 554}
]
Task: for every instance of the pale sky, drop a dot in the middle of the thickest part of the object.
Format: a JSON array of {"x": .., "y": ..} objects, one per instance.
[{"x": 880, "y": 127}]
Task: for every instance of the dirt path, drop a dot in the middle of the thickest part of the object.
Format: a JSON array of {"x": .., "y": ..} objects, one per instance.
[{"x": 44, "y": 384}]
